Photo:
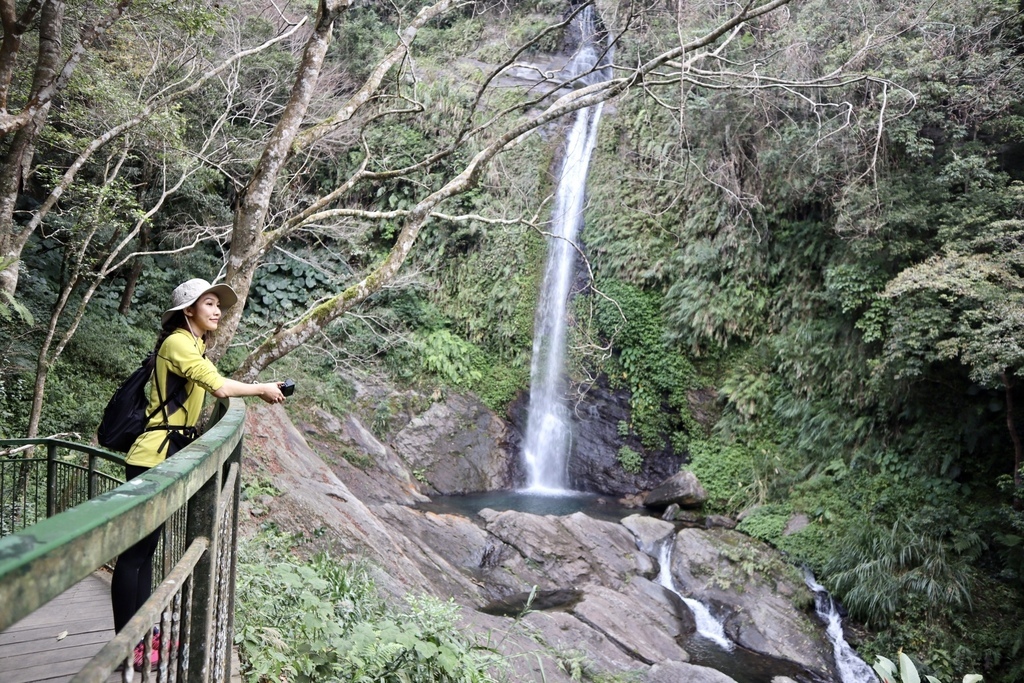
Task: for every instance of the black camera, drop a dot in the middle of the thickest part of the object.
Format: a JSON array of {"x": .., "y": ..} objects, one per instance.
[{"x": 288, "y": 387}]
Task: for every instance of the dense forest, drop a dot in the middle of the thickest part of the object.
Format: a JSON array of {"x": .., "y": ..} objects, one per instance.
[{"x": 812, "y": 210}]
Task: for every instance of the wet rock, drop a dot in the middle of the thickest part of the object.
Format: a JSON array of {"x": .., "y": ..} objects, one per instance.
[
  {"x": 593, "y": 459},
  {"x": 633, "y": 500},
  {"x": 682, "y": 489}
]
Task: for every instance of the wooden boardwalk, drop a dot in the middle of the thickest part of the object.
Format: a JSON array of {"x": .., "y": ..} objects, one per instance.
[
  {"x": 37, "y": 649},
  {"x": 54, "y": 642}
]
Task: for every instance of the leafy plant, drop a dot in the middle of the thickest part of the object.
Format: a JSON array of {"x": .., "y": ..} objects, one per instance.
[
  {"x": 877, "y": 571},
  {"x": 322, "y": 620},
  {"x": 907, "y": 672},
  {"x": 630, "y": 460}
]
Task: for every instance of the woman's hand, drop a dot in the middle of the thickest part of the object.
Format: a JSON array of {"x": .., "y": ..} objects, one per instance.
[{"x": 272, "y": 392}]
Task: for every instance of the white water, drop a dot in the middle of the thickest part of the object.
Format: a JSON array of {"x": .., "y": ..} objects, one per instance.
[
  {"x": 851, "y": 668},
  {"x": 548, "y": 426},
  {"x": 707, "y": 625}
]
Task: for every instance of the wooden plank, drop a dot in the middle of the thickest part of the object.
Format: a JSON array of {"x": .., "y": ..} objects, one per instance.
[
  {"x": 50, "y": 632},
  {"x": 30, "y": 651},
  {"x": 46, "y": 644}
]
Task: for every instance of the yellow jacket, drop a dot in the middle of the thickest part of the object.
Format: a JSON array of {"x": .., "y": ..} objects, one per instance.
[{"x": 182, "y": 354}]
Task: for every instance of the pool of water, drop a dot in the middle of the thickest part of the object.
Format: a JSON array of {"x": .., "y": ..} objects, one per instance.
[{"x": 563, "y": 503}]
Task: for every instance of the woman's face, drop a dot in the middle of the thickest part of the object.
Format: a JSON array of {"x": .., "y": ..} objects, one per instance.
[{"x": 204, "y": 314}]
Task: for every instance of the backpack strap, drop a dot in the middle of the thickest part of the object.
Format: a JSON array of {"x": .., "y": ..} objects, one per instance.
[{"x": 174, "y": 400}]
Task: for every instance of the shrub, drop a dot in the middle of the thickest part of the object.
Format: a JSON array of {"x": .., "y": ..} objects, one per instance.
[{"x": 323, "y": 620}]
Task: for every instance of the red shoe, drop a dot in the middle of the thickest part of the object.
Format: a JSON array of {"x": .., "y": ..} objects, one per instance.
[{"x": 140, "y": 655}]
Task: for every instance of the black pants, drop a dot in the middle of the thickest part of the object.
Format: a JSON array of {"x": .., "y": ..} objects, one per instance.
[{"x": 133, "y": 574}]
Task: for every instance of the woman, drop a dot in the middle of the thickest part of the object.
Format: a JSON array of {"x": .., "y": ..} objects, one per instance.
[{"x": 181, "y": 347}]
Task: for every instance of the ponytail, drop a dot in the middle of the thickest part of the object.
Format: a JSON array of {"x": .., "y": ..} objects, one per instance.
[{"x": 174, "y": 322}]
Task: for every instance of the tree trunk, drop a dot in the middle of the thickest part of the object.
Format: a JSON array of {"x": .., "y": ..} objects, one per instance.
[
  {"x": 1018, "y": 450},
  {"x": 19, "y": 155},
  {"x": 132, "y": 279},
  {"x": 248, "y": 242}
]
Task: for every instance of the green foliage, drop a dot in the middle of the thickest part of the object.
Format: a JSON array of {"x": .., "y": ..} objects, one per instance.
[
  {"x": 726, "y": 472},
  {"x": 288, "y": 286},
  {"x": 961, "y": 307},
  {"x": 766, "y": 523},
  {"x": 447, "y": 356},
  {"x": 907, "y": 671},
  {"x": 630, "y": 460},
  {"x": 877, "y": 571},
  {"x": 322, "y": 620},
  {"x": 657, "y": 376}
]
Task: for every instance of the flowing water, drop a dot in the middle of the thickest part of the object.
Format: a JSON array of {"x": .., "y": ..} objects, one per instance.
[
  {"x": 707, "y": 625},
  {"x": 548, "y": 427},
  {"x": 851, "y": 668}
]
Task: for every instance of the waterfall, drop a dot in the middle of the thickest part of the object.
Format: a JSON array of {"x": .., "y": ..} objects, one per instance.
[
  {"x": 851, "y": 668},
  {"x": 707, "y": 625},
  {"x": 548, "y": 426}
]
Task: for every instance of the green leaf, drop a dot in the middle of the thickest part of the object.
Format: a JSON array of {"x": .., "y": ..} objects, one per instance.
[
  {"x": 885, "y": 669},
  {"x": 908, "y": 672}
]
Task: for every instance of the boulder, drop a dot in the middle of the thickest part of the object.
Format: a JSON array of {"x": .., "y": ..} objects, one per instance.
[
  {"x": 676, "y": 672},
  {"x": 563, "y": 632},
  {"x": 682, "y": 489},
  {"x": 769, "y": 607},
  {"x": 643, "y": 619},
  {"x": 457, "y": 446},
  {"x": 797, "y": 522},
  {"x": 649, "y": 532},
  {"x": 565, "y": 552},
  {"x": 720, "y": 521}
]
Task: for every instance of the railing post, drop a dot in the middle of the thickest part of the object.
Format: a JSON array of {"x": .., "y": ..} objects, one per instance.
[
  {"x": 236, "y": 458},
  {"x": 202, "y": 521},
  {"x": 51, "y": 479},
  {"x": 91, "y": 481}
]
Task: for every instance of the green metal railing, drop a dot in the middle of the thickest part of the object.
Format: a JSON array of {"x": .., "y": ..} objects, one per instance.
[
  {"x": 193, "y": 496},
  {"x": 33, "y": 487}
]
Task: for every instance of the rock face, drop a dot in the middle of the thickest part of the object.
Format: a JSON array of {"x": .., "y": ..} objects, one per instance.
[
  {"x": 593, "y": 458},
  {"x": 456, "y": 446},
  {"x": 674, "y": 672}
]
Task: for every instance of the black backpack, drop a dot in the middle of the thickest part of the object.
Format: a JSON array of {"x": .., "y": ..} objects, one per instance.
[{"x": 125, "y": 416}]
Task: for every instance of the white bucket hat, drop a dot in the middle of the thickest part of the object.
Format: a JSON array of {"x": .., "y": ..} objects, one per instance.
[{"x": 187, "y": 293}]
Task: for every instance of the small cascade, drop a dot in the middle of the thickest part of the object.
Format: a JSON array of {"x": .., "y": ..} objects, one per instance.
[
  {"x": 548, "y": 427},
  {"x": 851, "y": 668},
  {"x": 707, "y": 625}
]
